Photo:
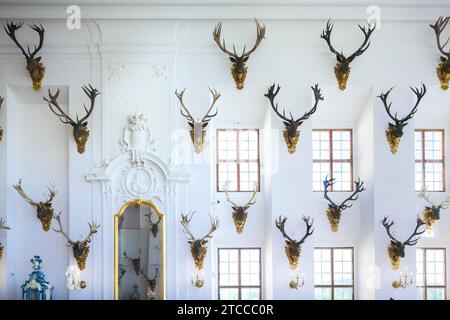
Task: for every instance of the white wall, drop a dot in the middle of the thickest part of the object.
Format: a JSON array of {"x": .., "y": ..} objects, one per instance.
[{"x": 154, "y": 56}]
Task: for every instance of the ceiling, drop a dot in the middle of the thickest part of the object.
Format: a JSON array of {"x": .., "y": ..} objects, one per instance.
[{"x": 387, "y": 3}]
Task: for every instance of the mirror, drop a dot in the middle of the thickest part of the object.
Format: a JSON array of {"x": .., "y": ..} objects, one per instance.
[{"x": 139, "y": 252}]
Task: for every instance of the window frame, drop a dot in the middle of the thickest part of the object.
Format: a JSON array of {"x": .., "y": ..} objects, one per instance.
[
  {"x": 333, "y": 286},
  {"x": 331, "y": 159},
  {"x": 423, "y": 161},
  {"x": 239, "y": 286},
  {"x": 424, "y": 261},
  {"x": 238, "y": 160}
]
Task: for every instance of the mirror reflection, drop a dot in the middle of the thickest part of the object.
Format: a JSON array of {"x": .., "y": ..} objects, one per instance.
[{"x": 139, "y": 252}]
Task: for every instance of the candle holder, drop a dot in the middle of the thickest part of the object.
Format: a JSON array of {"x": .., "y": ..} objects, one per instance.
[
  {"x": 198, "y": 281},
  {"x": 404, "y": 281},
  {"x": 297, "y": 281}
]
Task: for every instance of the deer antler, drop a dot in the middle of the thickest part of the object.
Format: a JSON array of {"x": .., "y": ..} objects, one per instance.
[
  {"x": 387, "y": 225},
  {"x": 186, "y": 113},
  {"x": 93, "y": 228},
  {"x": 147, "y": 278},
  {"x": 420, "y": 93},
  {"x": 359, "y": 187},
  {"x": 226, "y": 186},
  {"x": 326, "y": 35},
  {"x": 207, "y": 117},
  {"x": 309, "y": 223},
  {"x": 438, "y": 27},
  {"x": 410, "y": 241},
  {"x": 149, "y": 216},
  {"x": 280, "y": 223},
  {"x": 185, "y": 219},
  {"x": 260, "y": 35},
  {"x": 214, "y": 225},
  {"x": 53, "y": 103},
  {"x": 252, "y": 199},
  {"x": 3, "y": 225},
  {"x": 18, "y": 187},
  {"x": 317, "y": 97},
  {"x": 57, "y": 217},
  {"x": 92, "y": 93},
  {"x": 326, "y": 184},
  {"x": 11, "y": 29}
]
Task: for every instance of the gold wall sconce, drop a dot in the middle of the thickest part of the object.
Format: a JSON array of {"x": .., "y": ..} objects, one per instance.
[
  {"x": 199, "y": 280},
  {"x": 405, "y": 280},
  {"x": 297, "y": 281}
]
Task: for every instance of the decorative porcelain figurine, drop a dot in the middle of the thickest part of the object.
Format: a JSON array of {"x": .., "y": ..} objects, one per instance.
[
  {"x": 73, "y": 275},
  {"x": 36, "y": 288}
]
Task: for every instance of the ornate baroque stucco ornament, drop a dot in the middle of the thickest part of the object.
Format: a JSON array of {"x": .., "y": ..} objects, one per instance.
[
  {"x": 334, "y": 210},
  {"x": 342, "y": 68},
  {"x": 1, "y": 129},
  {"x": 293, "y": 248},
  {"x": 240, "y": 212},
  {"x": 443, "y": 68},
  {"x": 239, "y": 69},
  {"x": 80, "y": 129},
  {"x": 3, "y": 226},
  {"x": 395, "y": 130},
  {"x": 80, "y": 249},
  {"x": 291, "y": 133},
  {"x": 396, "y": 249},
  {"x": 44, "y": 209},
  {"x": 198, "y": 128},
  {"x": 137, "y": 138},
  {"x": 198, "y": 246},
  {"x": 431, "y": 214},
  {"x": 34, "y": 64}
]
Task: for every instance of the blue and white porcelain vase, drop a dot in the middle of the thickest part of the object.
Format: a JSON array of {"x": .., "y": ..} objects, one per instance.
[{"x": 36, "y": 288}]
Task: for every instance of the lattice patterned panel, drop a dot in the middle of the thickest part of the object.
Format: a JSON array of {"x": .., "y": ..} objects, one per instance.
[{"x": 137, "y": 88}]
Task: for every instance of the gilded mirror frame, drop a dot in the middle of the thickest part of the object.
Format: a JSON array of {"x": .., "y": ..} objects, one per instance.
[{"x": 139, "y": 203}]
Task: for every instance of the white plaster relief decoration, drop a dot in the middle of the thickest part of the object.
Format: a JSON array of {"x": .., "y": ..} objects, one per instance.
[{"x": 138, "y": 88}]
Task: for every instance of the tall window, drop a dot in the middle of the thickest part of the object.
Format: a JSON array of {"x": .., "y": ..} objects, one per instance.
[
  {"x": 430, "y": 159},
  {"x": 238, "y": 159},
  {"x": 240, "y": 274},
  {"x": 332, "y": 157},
  {"x": 333, "y": 274},
  {"x": 431, "y": 275}
]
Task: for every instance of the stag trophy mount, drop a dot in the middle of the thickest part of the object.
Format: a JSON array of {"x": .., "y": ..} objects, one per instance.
[
  {"x": 44, "y": 209},
  {"x": 80, "y": 129},
  {"x": 334, "y": 211},
  {"x": 291, "y": 132},
  {"x": 443, "y": 68},
  {"x": 293, "y": 248},
  {"x": 342, "y": 67},
  {"x": 396, "y": 249},
  {"x": 432, "y": 213},
  {"x": 394, "y": 132},
  {"x": 3, "y": 226},
  {"x": 152, "y": 282},
  {"x": 135, "y": 262},
  {"x": 80, "y": 249},
  {"x": 198, "y": 128},
  {"x": 34, "y": 64},
  {"x": 154, "y": 225},
  {"x": 1, "y": 129},
  {"x": 199, "y": 247},
  {"x": 239, "y": 69},
  {"x": 240, "y": 211}
]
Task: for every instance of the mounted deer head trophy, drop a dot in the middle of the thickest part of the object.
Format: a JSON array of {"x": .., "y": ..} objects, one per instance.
[
  {"x": 394, "y": 131},
  {"x": 443, "y": 68},
  {"x": 44, "y": 209},
  {"x": 291, "y": 132},
  {"x": 396, "y": 249},
  {"x": 80, "y": 130},
  {"x": 240, "y": 211},
  {"x": 432, "y": 214},
  {"x": 80, "y": 249},
  {"x": 34, "y": 64},
  {"x": 198, "y": 246},
  {"x": 151, "y": 282},
  {"x": 342, "y": 68},
  {"x": 3, "y": 226},
  {"x": 136, "y": 262},
  {"x": 293, "y": 248},
  {"x": 154, "y": 225},
  {"x": 198, "y": 128},
  {"x": 334, "y": 210},
  {"x": 239, "y": 69},
  {"x": 1, "y": 129}
]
